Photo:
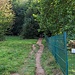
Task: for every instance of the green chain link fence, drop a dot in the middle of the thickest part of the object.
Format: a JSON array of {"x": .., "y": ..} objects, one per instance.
[{"x": 57, "y": 46}]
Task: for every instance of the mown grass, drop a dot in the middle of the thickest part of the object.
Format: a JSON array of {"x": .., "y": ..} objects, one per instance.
[
  {"x": 29, "y": 66},
  {"x": 13, "y": 52}
]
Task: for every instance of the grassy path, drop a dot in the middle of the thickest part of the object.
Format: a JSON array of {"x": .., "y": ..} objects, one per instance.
[
  {"x": 29, "y": 65},
  {"x": 13, "y": 52},
  {"x": 19, "y": 57},
  {"x": 33, "y": 61}
]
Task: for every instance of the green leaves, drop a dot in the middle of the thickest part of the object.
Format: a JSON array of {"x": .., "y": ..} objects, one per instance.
[
  {"x": 57, "y": 16},
  {"x": 6, "y": 17},
  {"x": 30, "y": 26}
]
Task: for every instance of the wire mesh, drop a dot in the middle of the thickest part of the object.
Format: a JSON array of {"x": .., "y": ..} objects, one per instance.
[{"x": 57, "y": 46}]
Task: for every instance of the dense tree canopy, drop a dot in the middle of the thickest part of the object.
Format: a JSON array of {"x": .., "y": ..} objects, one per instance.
[
  {"x": 19, "y": 7},
  {"x": 57, "y": 16},
  {"x": 53, "y": 17},
  {"x": 25, "y": 24},
  {"x": 30, "y": 26}
]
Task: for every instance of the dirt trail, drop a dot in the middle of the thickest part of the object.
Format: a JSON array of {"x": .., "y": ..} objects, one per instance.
[
  {"x": 39, "y": 69},
  {"x": 15, "y": 74}
]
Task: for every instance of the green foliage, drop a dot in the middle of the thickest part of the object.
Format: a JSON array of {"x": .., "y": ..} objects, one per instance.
[
  {"x": 30, "y": 26},
  {"x": 25, "y": 23},
  {"x": 19, "y": 7},
  {"x": 6, "y": 18},
  {"x": 1, "y": 36},
  {"x": 30, "y": 30},
  {"x": 57, "y": 16}
]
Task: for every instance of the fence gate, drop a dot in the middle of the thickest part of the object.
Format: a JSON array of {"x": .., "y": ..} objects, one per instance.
[{"x": 57, "y": 46}]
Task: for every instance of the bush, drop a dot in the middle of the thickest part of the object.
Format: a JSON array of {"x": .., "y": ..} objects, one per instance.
[
  {"x": 30, "y": 30},
  {"x": 30, "y": 26},
  {"x": 1, "y": 37}
]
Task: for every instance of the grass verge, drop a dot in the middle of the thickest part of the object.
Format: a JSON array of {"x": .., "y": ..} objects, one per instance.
[{"x": 48, "y": 62}]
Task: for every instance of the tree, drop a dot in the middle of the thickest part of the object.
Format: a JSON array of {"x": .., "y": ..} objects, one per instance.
[
  {"x": 6, "y": 17},
  {"x": 25, "y": 24},
  {"x": 19, "y": 7},
  {"x": 30, "y": 26},
  {"x": 57, "y": 16}
]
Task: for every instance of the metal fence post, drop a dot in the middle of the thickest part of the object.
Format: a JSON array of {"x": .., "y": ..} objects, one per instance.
[
  {"x": 65, "y": 42},
  {"x": 55, "y": 50}
]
